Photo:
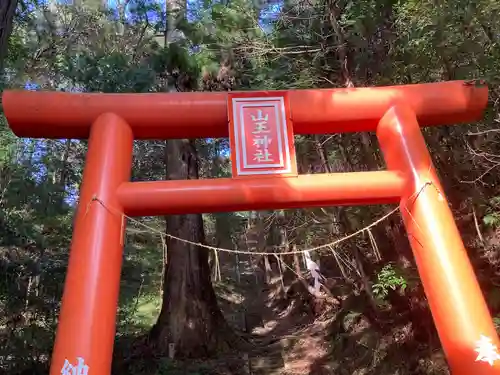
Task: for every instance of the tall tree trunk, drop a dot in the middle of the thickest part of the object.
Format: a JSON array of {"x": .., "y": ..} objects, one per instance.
[
  {"x": 190, "y": 324},
  {"x": 7, "y": 12},
  {"x": 190, "y": 320}
]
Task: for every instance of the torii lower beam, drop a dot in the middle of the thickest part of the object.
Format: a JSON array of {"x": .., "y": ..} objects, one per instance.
[
  {"x": 228, "y": 195},
  {"x": 86, "y": 329}
]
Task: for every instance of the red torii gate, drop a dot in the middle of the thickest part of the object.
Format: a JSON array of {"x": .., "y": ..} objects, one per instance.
[{"x": 264, "y": 177}]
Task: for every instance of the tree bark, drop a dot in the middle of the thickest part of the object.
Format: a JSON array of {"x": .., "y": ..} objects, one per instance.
[
  {"x": 7, "y": 13},
  {"x": 190, "y": 318}
]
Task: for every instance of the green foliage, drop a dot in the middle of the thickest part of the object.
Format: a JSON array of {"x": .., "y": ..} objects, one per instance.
[
  {"x": 388, "y": 279},
  {"x": 492, "y": 220},
  {"x": 110, "y": 72},
  {"x": 8, "y": 143},
  {"x": 496, "y": 322},
  {"x": 140, "y": 300},
  {"x": 492, "y": 216}
]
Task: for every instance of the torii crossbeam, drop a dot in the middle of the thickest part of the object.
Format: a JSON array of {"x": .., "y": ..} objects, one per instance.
[{"x": 261, "y": 126}]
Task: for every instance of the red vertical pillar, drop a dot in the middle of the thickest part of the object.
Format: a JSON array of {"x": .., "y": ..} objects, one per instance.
[
  {"x": 459, "y": 311},
  {"x": 86, "y": 330}
]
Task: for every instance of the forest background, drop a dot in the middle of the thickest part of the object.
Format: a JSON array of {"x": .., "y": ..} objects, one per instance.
[{"x": 372, "y": 316}]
